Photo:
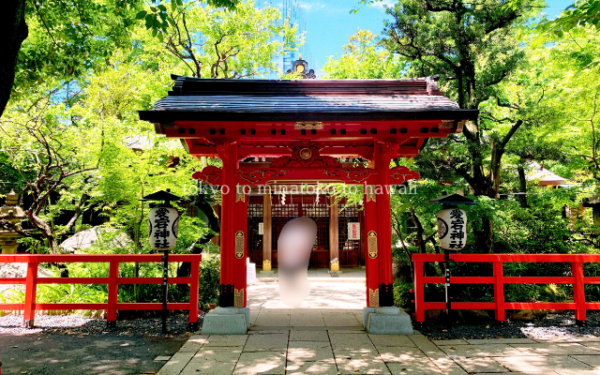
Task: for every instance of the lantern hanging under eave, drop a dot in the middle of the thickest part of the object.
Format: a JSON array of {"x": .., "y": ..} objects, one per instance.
[
  {"x": 452, "y": 228},
  {"x": 163, "y": 227}
]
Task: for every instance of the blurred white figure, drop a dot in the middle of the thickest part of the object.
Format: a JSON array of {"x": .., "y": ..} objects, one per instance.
[{"x": 294, "y": 245}]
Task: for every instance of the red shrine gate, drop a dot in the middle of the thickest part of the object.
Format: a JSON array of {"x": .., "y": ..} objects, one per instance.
[{"x": 269, "y": 132}]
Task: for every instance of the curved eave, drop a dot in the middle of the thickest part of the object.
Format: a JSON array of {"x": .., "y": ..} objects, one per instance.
[{"x": 170, "y": 116}]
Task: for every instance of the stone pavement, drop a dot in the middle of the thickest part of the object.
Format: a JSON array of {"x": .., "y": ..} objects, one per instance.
[
  {"x": 322, "y": 274},
  {"x": 356, "y": 352},
  {"x": 325, "y": 335}
]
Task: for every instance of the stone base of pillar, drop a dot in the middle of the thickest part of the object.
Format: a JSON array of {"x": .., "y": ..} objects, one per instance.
[
  {"x": 388, "y": 320},
  {"x": 335, "y": 273},
  {"x": 226, "y": 321},
  {"x": 266, "y": 273}
]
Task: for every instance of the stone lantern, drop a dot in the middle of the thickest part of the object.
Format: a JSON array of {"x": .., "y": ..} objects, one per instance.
[{"x": 12, "y": 213}]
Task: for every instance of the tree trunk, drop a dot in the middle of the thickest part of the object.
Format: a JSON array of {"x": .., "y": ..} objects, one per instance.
[
  {"x": 185, "y": 269},
  {"x": 522, "y": 198},
  {"x": 484, "y": 236},
  {"x": 420, "y": 233},
  {"x": 14, "y": 31}
]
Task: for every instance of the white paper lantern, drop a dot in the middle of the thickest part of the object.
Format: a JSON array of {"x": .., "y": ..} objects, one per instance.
[
  {"x": 163, "y": 227},
  {"x": 452, "y": 228}
]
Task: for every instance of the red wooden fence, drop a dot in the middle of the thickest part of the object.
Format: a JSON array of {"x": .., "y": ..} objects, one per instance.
[
  {"x": 498, "y": 279},
  {"x": 113, "y": 280}
]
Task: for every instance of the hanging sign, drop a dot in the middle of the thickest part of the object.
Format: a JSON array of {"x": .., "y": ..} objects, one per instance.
[
  {"x": 260, "y": 228},
  {"x": 354, "y": 231},
  {"x": 163, "y": 227},
  {"x": 452, "y": 228}
]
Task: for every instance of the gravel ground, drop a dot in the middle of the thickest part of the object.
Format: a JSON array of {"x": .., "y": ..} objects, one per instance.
[
  {"x": 543, "y": 327},
  {"x": 75, "y": 345},
  {"x": 177, "y": 324}
]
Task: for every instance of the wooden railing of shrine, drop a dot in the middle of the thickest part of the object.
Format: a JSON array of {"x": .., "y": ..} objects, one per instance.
[
  {"x": 498, "y": 280},
  {"x": 31, "y": 281}
]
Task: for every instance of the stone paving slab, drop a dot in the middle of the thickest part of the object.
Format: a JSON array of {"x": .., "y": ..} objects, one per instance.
[
  {"x": 319, "y": 367},
  {"x": 216, "y": 368},
  {"x": 593, "y": 345},
  {"x": 391, "y": 340},
  {"x": 271, "y": 342},
  {"x": 177, "y": 363},
  {"x": 437, "y": 356},
  {"x": 261, "y": 363},
  {"x": 481, "y": 350},
  {"x": 590, "y": 360},
  {"x": 450, "y": 342},
  {"x": 571, "y": 339},
  {"x": 564, "y": 365},
  {"x": 194, "y": 343},
  {"x": 360, "y": 362},
  {"x": 416, "y": 368},
  {"x": 307, "y": 321},
  {"x": 554, "y": 349},
  {"x": 480, "y": 365},
  {"x": 344, "y": 329},
  {"x": 345, "y": 341},
  {"x": 309, "y": 336},
  {"x": 226, "y": 340},
  {"x": 501, "y": 341},
  {"x": 221, "y": 354},
  {"x": 401, "y": 355},
  {"x": 306, "y": 351}
]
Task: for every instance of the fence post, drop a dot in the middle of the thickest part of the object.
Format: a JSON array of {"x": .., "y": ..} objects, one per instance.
[
  {"x": 579, "y": 292},
  {"x": 194, "y": 282},
  {"x": 113, "y": 294},
  {"x": 30, "y": 289},
  {"x": 499, "y": 290},
  {"x": 419, "y": 292}
]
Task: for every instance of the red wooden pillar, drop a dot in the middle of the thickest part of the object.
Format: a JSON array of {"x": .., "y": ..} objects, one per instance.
[
  {"x": 419, "y": 292},
  {"x": 113, "y": 294},
  {"x": 499, "y": 291},
  {"x": 579, "y": 291},
  {"x": 194, "y": 286},
  {"x": 369, "y": 237},
  {"x": 228, "y": 155},
  {"x": 30, "y": 289},
  {"x": 383, "y": 155},
  {"x": 240, "y": 229}
]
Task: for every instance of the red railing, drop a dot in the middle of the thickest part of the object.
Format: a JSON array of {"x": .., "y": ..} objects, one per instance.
[
  {"x": 113, "y": 280},
  {"x": 499, "y": 280}
]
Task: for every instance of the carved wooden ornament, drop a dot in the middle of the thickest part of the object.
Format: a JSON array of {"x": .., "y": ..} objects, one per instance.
[
  {"x": 373, "y": 297},
  {"x": 239, "y": 244},
  {"x": 211, "y": 175},
  {"x": 238, "y": 298},
  {"x": 372, "y": 244},
  {"x": 371, "y": 196}
]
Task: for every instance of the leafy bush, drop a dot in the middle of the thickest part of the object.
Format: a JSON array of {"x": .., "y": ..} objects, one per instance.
[
  {"x": 210, "y": 273},
  {"x": 402, "y": 295}
]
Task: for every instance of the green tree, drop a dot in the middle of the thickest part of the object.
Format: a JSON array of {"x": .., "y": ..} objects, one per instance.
[
  {"x": 67, "y": 38},
  {"x": 364, "y": 58},
  {"x": 581, "y": 13},
  {"x": 472, "y": 49}
]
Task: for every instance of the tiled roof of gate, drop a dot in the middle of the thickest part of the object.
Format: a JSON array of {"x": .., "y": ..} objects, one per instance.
[{"x": 305, "y": 100}]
